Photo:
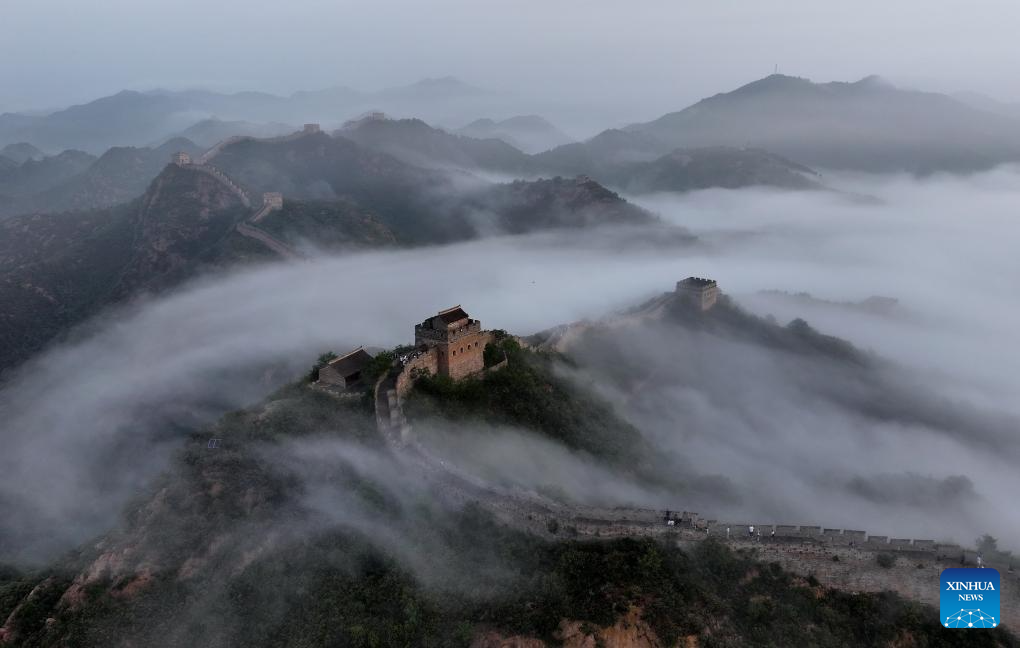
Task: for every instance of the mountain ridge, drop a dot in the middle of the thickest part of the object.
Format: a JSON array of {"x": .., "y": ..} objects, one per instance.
[
  {"x": 133, "y": 118},
  {"x": 867, "y": 125},
  {"x": 240, "y": 527},
  {"x": 623, "y": 160},
  {"x": 56, "y": 270},
  {"x": 530, "y": 133}
]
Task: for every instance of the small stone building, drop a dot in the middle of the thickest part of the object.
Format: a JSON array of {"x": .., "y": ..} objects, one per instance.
[
  {"x": 457, "y": 339},
  {"x": 181, "y": 159},
  {"x": 311, "y": 128},
  {"x": 345, "y": 372},
  {"x": 699, "y": 291}
]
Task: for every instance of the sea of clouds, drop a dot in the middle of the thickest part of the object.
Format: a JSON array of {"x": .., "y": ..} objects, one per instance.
[{"x": 87, "y": 423}]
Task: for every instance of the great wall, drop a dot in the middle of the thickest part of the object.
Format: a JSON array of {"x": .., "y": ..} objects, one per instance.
[
  {"x": 845, "y": 559},
  {"x": 271, "y": 201},
  {"x": 307, "y": 129}
]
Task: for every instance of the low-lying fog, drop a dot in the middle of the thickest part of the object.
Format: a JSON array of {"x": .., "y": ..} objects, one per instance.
[{"x": 86, "y": 424}]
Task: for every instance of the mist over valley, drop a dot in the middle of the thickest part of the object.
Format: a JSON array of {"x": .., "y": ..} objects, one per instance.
[{"x": 592, "y": 355}]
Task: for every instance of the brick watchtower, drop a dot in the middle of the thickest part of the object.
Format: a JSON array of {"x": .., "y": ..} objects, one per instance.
[
  {"x": 272, "y": 200},
  {"x": 702, "y": 293},
  {"x": 457, "y": 339}
]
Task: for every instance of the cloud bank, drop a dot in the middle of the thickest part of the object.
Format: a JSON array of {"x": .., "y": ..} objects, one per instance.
[{"x": 88, "y": 422}]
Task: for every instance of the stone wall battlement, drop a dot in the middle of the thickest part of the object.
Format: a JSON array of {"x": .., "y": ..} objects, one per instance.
[
  {"x": 473, "y": 326},
  {"x": 225, "y": 180},
  {"x": 822, "y": 536},
  {"x": 421, "y": 361}
]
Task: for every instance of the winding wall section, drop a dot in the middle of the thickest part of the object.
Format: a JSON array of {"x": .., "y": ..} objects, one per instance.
[{"x": 845, "y": 559}]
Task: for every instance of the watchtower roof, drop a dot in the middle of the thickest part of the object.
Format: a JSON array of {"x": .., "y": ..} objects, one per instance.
[
  {"x": 351, "y": 363},
  {"x": 451, "y": 315}
]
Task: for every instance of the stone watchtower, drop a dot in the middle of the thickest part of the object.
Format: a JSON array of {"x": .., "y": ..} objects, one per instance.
[
  {"x": 272, "y": 200},
  {"x": 457, "y": 339},
  {"x": 181, "y": 159},
  {"x": 698, "y": 291}
]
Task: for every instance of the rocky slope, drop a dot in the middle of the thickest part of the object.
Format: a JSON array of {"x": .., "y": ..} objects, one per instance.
[
  {"x": 56, "y": 270},
  {"x": 295, "y": 533},
  {"x": 118, "y": 176}
]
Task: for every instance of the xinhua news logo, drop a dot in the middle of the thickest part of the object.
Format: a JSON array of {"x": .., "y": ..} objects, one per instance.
[{"x": 969, "y": 598}]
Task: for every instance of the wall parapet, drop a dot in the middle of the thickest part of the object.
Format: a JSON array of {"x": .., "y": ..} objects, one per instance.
[
  {"x": 822, "y": 535},
  {"x": 426, "y": 361},
  {"x": 225, "y": 180}
]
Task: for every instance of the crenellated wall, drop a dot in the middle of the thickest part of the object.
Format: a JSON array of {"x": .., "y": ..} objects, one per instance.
[
  {"x": 422, "y": 361},
  {"x": 829, "y": 537},
  {"x": 223, "y": 178}
]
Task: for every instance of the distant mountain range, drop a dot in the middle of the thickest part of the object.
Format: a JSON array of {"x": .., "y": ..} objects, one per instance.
[
  {"x": 529, "y": 133},
  {"x": 989, "y": 104},
  {"x": 74, "y": 180},
  {"x": 209, "y": 132},
  {"x": 868, "y": 125},
  {"x": 623, "y": 160},
  {"x": 139, "y": 118}
]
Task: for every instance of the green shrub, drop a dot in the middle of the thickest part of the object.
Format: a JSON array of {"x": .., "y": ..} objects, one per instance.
[
  {"x": 529, "y": 393},
  {"x": 379, "y": 365}
]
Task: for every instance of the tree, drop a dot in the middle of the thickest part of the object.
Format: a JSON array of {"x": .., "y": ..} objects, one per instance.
[
  {"x": 988, "y": 547},
  {"x": 987, "y": 544}
]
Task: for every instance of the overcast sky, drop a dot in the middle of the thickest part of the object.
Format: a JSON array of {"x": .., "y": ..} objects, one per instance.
[{"x": 658, "y": 54}]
